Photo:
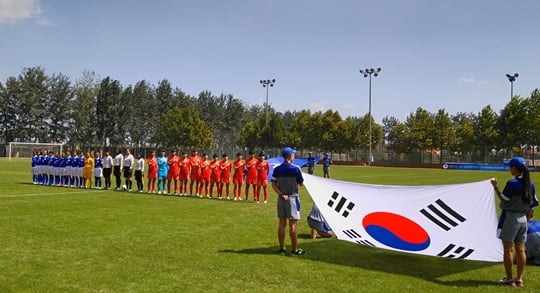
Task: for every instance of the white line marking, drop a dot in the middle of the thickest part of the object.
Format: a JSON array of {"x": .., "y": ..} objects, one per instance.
[{"x": 35, "y": 194}]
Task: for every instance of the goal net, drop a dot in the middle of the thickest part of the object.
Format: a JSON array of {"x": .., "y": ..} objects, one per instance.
[{"x": 26, "y": 149}]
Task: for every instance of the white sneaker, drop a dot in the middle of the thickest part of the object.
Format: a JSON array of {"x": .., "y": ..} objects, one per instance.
[
  {"x": 159, "y": 192},
  {"x": 265, "y": 201}
]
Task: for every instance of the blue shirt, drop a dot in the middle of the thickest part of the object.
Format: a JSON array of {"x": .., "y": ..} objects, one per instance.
[
  {"x": 163, "y": 166},
  {"x": 98, "y": 163},
  {"x": 326, "y": 162},
  {"x": 81, "y": 162},
  {"x": 34, "y": 160},
  {"x": 75, "y": 161},
  {"x": 288, "y": 176}
]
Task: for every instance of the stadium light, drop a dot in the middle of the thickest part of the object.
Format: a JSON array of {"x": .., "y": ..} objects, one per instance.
[
  {"x": 369, "y": 72},
  {"x": 267, "y": 84},
  {"x": 512, "y": 78}
]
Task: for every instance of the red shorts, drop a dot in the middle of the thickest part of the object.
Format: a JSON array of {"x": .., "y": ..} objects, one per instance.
[
  {"x": 183, "y": 177},
  {"x": 225, "y": 180},
  {"x": 214, "y": 179},
  {"x": 152, "y": 175},
  {"x": 238, "y": 180},
  {"x": 195, "y": 176},
  {"x": 262, "y": 182},
  {"x": 204, "y": 179},
  {"x": 172, "y": 176},
  {"x": 251, "y": 180}
]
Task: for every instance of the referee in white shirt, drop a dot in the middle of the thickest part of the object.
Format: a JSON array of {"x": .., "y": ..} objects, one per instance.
[
  {"x": 117, "y": 167},
  {"x": 128, "y": 168}
]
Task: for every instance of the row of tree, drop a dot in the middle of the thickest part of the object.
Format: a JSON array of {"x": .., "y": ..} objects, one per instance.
[{"x": 92, "y": 111}]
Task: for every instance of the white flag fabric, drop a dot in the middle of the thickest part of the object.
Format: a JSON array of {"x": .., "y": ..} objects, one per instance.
[{"x": 454, "y": 221}]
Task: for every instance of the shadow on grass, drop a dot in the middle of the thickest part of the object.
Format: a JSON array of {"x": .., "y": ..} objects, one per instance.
[{"x": 429, "y": 268}]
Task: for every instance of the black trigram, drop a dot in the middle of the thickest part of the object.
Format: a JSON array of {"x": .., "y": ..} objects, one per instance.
[
  {"x": 354, "y": 236},
  {"x": 453, "y": 251},
  {"x": 442, "y": 215},
  {"x": 340, "y": 204}
]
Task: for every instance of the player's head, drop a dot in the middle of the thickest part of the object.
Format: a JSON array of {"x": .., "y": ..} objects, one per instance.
[
  {"x": 225, "y": 156},
  {"x": 215, "y": 157},
  {"x": 251, "y": 154},
  {"x": 261, "y": 156},
  {"x": 238, "y": 155},
  {"x": 288, "y": 152},
  {"x": 194, "y": 152},
  {"x": 152, "y": 153}
]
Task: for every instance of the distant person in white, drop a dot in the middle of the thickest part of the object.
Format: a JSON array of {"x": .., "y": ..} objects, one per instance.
[
  {"x": 107, "y": 169},
  {"x": 139, "y": 172},
  {"x": 117, "y": 164},
  {"x": 128, "y": 167}
]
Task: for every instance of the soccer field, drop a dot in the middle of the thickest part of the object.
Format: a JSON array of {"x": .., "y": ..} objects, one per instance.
[{"x": 62, "y": 239}]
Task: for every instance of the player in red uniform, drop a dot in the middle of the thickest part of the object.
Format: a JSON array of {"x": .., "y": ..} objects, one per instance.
[
  {"x": 215, "y": 175},
  {"x": 152, "y": 171},
  {"x": 262, "y": 178},
  {"x": 238, "y": 176},
  {"x": 204, "y": 178},
  {"x": 251, "y": 177},
  {"x": 183, "y": 165},
  {"x": 194, "y": 165},
  {"x": 225, "y": 180},
  {"x": 173, "y": 172}
]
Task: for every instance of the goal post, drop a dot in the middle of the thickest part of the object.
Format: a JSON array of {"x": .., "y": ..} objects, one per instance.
[{"x": 26, "y": 149}]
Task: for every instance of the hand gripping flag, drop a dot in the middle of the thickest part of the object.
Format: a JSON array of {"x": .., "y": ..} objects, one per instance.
[{"x": 453, "y": 221}]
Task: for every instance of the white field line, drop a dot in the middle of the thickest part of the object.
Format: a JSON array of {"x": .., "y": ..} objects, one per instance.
[{"x": 43, "y": 193}]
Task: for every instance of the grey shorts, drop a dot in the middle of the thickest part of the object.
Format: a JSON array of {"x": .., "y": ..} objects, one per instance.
[
  {"x": 319, "y": 226},
  {"x": 514, "y": 227},
  {"x": 289, "y": 209},
  {"x": 532, "y": 246}
]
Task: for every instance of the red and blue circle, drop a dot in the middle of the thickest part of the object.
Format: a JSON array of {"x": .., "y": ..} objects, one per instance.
[{"x": 396, "y": 231}]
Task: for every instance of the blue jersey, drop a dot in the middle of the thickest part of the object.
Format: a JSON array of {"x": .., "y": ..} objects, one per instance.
[
  {"x": 98, "y": 163},
  {"x": 40, "y": 160},
  {"x": 34, "y": 161},
  {"x": 56, "y": 162},
  {"x": 163, "y": 166},
  {"x": 326, "y": 162},
  {"x": 52, "y": 159},
  {"x": 75, "y": 162},
  {"x": 288, "y": 176},
  {"x": 46, "y": 159},
  {"x": 81, "y": 162},
  {"x": 69, "y": 160},
  {"x": 63, "y": 162}
]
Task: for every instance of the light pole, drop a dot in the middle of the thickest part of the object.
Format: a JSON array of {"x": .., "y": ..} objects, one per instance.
[
  {"x": 369, "y": 72},
  {"x": 512, "y": 78},
  {"x": 267, "y": 83}
]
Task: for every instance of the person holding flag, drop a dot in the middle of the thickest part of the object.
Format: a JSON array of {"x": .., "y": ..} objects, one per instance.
[
  {"x": 285, "y": 181},
  {"x": 516, "y": 202}
]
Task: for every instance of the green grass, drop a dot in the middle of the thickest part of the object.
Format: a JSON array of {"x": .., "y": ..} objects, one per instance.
[{"x": 58, "y": 239}]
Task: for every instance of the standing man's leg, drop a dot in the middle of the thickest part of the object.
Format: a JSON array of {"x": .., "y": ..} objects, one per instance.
[
  {"x": 293, "y": 234},
  {"x": 281, "y": 233}
]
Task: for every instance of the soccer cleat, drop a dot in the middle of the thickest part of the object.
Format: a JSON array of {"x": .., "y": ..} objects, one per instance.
[
  {"x": 298, "y": 252},
  {"x": 265, "y": 201}
]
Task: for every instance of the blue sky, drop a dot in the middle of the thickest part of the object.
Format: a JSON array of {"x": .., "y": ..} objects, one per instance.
[{"x": 433, "y": 54}]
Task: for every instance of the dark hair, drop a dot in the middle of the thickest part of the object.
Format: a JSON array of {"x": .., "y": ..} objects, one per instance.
[{"x": 525, "y": 174}]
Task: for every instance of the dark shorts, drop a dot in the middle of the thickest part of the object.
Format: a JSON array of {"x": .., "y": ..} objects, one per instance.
[
  {"x": 127, "y": 172},
  {"x": 117, "y": 171},
  {"x": 107, "y": 172}
]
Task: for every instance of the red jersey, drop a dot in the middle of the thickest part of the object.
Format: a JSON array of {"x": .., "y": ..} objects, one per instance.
[
  {"x": 173, "y": 164},
  {"x": 215, "y": 171},
  {"x": 152, "y": 167},
  {"x": 226, "y": 168},
  {"x": 183, "y": 165},
  {"x": 239, "y": 168},
  {"x": 194, "y": 163},
  {"x": 262, "y": 170},
  {"x": 205, "y": 171},
  {"x": 250, "y": 165}
]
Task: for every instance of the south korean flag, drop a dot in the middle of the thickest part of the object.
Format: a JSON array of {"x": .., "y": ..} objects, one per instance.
[{"x": 452, "y": 221}]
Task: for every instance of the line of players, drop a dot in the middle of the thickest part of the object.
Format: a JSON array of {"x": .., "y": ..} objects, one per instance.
[
  {"x": 55, "y": 169},
  {"x": 172, "y": 174}
]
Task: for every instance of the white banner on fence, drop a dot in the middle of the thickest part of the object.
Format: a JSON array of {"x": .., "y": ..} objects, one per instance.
[{"x": 454, "y": 221}]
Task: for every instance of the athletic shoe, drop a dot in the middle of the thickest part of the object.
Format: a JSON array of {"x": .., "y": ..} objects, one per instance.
[
  {"x": 159, "y": 192},
  {"x": 298, "y": 252},
  {"x": 507, "y": 282},
  {"x": 265, "y": 201}
]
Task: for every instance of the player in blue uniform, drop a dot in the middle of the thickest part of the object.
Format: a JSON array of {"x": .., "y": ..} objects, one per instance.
[
  {"x": 34, "y": 168},
  {"x": 56, "y": 169},
  {"x": 98, "y": 170},
  {"x": 75, "y": 170},
  {"x": 80, "y": 170}
]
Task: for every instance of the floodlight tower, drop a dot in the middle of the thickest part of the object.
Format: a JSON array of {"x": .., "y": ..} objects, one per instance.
[
  {"x": 512, "y": 78},
  {"x": 369, "y": 72},
  {"x": 267, "y": 84}
]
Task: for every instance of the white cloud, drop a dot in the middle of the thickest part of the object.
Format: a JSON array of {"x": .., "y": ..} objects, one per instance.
[
  {"x": 467, "y": 80},
  {"x": 12, "y": 11},
  {"x": 320, "y": 105},
  {"x": 473, "y": 81}
]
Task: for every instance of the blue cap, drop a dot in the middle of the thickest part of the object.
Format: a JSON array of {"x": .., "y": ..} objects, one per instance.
[
  {"x": 287, "y": 151},
  {"x": 517, "y": 162}
]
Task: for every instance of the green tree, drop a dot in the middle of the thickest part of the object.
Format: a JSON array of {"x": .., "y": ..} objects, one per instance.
[
  {"x": 109, "y": 113},
  {"x": 182, "y": 127},
  {"x": 83, "y": 110},
  {"x": 513, "y": 126},
  {"x": 9, "y": 110},
  {"x": 58, "y": 106},
  {"x": 32, "y": 94},
  {"x": 420, "y": 130},
  {"x": 485, "y": 131},
  {"x": 444, "y": 132},
  {"x": 464, "y": 141}
]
